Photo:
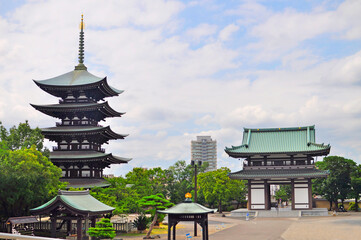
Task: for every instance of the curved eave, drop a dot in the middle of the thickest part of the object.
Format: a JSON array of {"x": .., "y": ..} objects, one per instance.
[
  {"x": 102, "y": 86},
  {"x": 106, "y": 132},
  {"x": 58, "y": 200},
  {"x": 187, "y": 209},
  {"x": 85, "y": 156},
  {"x": 319, "y": 152},
  {"x": 58, "y": 110},
  {"x": 245, "y": 175}
]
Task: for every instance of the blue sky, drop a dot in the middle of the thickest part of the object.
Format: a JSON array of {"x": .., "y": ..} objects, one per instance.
[{"x": 192, "y": 68}]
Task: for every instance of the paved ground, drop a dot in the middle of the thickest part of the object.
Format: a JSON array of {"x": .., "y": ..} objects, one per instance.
[{"x": 342, "y": 227}]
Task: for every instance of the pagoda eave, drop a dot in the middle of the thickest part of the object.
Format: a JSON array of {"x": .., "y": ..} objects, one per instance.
[
  {"x": 99, "y": 111},
  {"x": 100, "y": 88},
  {"x": 306, "y": 153}
]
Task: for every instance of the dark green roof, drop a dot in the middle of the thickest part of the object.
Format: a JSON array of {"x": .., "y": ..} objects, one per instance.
[
  {"x": 187, "y": 208},
  {"x": 78, "y": 201},
  {"x": 85, "y": 182},
  {"x": 278, "y": 173},
  {"x": 106, "y": 132},
  {"x": 86, "y": 155},
  {"x": 73, "y": 78},
  {"x": 278, "y": 140},
  {"x": 98, "y": 111}
]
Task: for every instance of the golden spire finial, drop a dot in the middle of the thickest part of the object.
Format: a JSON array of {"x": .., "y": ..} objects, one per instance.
[{"x": 82, "y": 23}]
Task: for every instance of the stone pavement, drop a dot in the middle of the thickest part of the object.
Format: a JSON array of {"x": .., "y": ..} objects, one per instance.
[{"x": 346, "y": 226}]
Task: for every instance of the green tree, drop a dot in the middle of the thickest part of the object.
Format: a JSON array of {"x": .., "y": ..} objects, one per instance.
[
  {"x": 284, "y": 193},
  {"x": 338, "y": 184},
  {"x": 356, "y": 185},
  {"x": 238, "y": 190},
  {"x": 21, "y": 137},
  {"x": 152, "y": 204},
  {"x": 27, "y": 180},
  {"x": 216, "y": 186},
  {"x": 103, "y": 229},
  {"x": 180, "y": 180}
]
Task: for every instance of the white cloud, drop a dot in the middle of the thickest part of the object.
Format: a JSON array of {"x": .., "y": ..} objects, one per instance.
[
  {"x": 201, "y": 31},
  {"x": 226, "y": 32}
]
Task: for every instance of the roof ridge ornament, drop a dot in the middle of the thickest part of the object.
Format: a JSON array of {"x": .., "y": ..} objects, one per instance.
[{"x": 81, "y": 65}]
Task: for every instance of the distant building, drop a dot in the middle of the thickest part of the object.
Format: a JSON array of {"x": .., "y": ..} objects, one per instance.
[{"x": 205, "y": 149}]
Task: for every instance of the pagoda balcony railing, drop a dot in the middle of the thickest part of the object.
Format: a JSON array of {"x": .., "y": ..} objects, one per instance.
[
  {"x": 58, "y": 124},
  {"x": 56, "y": 148},
  {"x": 277, "y": 167}
]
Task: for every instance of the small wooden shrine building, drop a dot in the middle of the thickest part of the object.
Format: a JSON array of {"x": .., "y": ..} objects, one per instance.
[
  {"x": 279, "y": 156},
  {"x": 190, "y": 212},
  {"x": 73, "y": 205},
  {"x": 78, "y": 135}
]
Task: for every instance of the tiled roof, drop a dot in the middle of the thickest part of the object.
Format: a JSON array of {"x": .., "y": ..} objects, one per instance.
[
  {"x": 278, "y": 140},
  {"x": 85, "y": 182},
  {"x": 79, "y": 201},
  {"x": 278, "y": 173},
  {"x": 187, "y": 208},
  {"x": 85, "y": 156},
  {"x": 84, "y": 130}
]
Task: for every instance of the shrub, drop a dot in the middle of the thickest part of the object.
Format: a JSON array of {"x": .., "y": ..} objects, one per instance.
[
  {"x": 103, "y": 229},
  {"x": 141, "y": 222},
  {"x": 352, "y": 206}
]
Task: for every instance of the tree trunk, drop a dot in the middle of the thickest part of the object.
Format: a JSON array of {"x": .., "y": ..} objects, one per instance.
[
  {"x": 336, "y": 205},
  {"x": 220, "y": 206},
  {"x": 356, "y": 204},
  {"x": 151, "y": 226},
  {"x": 330, "y": 205}
]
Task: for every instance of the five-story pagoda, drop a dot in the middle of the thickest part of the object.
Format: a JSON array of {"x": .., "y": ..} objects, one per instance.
[{"x": 79, "y": 136}]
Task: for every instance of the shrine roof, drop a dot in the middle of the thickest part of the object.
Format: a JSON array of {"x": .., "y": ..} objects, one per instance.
[
  {"x": 278, "y": 140},
  {"x": 86, "y": 156},
  {"x": 187, "y": 208},
  {"x": 77, "y": 201},
  {"x": 278, "y": 173}
]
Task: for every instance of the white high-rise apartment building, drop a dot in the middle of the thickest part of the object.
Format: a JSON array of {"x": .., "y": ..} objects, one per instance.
[{"x": 205, "y": 149}]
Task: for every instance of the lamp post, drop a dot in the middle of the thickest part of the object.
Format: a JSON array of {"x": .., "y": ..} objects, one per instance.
[{"x": 195, "y": 164}]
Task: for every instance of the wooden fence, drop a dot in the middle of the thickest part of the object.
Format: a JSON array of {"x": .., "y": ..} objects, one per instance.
[{"x": 119, "y": 227}]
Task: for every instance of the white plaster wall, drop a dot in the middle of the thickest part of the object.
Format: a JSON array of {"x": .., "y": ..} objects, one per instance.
[
  {"x": 257, "y": 196},
  {"x": 301, "y": 195}
]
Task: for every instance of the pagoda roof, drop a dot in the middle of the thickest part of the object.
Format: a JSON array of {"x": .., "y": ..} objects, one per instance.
[
  {"x": 85, "y": 182},
  {"x": 187, "y": 207},
  {"x": 86, "y": 156},
  {"x": 59, "y": 110},
  {"x": 76, "y": 80},
  {"x": 80, "y": 202},
  {"x": 278, "y": 173},
  {"x": 105, "y": 132},
  {"x": 278, "y": 141}
]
